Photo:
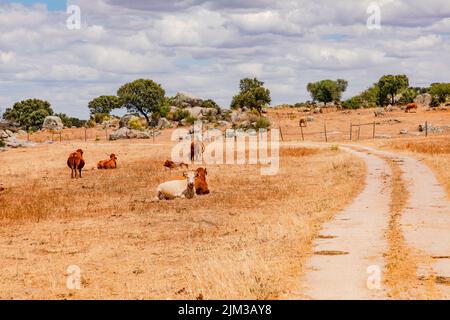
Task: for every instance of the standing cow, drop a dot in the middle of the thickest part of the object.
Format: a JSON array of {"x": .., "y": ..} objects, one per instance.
[{"x": 76, "y": 163}]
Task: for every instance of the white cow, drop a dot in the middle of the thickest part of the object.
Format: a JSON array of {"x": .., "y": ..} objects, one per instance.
[{"x": 183, "y": 189}]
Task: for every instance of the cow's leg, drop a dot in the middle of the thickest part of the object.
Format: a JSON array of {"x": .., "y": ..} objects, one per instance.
[
  {"x": 76, "y": 171},
  {"x": 80, "y": 172},
  {"x": 71, "y": 173}
]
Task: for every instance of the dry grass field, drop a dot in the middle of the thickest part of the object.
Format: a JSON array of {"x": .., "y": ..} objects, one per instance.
[{"x": 248, "y": 239}]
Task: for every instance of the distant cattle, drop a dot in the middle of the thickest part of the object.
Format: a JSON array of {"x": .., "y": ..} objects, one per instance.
[
  {"x": 108, "y": 164},
  {"x": 410, "y": 107},
  {"x": 183, "y": 189},
  {"x": 76, "y": 163},
  {"x": 197, "y": 149},
  {"x": 173, "y": 165},
  {"x": 201, "y": 187}
]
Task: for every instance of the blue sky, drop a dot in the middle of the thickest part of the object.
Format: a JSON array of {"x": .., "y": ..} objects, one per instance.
[
  {"x": 52, "y": 5},
  {"x": 205, "y": 47}
]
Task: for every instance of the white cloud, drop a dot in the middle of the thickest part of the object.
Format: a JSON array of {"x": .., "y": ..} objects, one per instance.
[{"x": 206, "y": 46}]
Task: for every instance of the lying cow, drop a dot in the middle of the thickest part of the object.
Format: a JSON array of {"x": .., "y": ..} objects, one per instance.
[
  {"x": 173, "y": 165},
  {"x": 108, "y": 164},
  {"x": 76, "y": 163},
  {"x": 201, "y": 187},
  {"x": 410, "y": 107},
  {"x": 183, "y": 189}
]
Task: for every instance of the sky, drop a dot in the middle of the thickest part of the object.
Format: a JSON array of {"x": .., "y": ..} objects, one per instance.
[{"x": 205, "y": 47}]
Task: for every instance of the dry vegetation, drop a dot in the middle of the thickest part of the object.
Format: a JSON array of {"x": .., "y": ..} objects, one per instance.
[
  {"x": 434, "y": 151},
  {"x": 247, "y": 239}
]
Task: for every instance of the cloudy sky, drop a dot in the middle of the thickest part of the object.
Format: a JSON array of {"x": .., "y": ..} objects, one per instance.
[{"x": 205, "y": 47}]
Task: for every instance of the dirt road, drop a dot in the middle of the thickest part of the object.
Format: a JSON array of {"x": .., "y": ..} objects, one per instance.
[{"x": 348, "y": 255}]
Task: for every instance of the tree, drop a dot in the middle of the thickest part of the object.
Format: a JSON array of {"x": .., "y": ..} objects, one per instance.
[
  {"x": 389, "y": 86},
  {"x": 104, "y": 105},
  {"x": 408, "y": 95},
  {"x": 143, "y": 96},
  {"x": 252, "y": 95},
  {"x": 327, "y": 90},
  {"x": 441, "y": 91},
  {"x": 29, "y": 113}
]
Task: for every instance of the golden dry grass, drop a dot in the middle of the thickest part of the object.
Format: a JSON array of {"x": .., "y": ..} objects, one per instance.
[{"x": 248, "y": 239}]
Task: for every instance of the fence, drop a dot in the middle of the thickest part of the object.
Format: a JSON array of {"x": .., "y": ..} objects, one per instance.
[{"x": 327, "y": 135}]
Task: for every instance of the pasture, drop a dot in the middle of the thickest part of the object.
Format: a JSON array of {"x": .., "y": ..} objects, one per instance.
[{"x": 247, "y": 239}]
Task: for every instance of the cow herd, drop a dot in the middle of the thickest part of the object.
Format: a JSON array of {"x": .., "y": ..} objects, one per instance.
[{"x": 185, "y": 187}]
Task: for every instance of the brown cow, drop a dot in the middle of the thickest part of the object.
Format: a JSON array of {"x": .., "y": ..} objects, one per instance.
[
  {"x": 201, "y": 187},
  {"x": 108, "y": 164},
  {"x": 173, "y": 165},
  {"x": 411, "y": 106},
  {"x": 76, "y": 163},
  {"x": 197, "y": 148}
]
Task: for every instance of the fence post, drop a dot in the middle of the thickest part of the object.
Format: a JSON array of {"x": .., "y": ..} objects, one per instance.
[
  {"x": 85, "y": 134},
  {"x": 351, "y": 130},
  {"x": 281, "y": 134},
  {"x": 374, "y": 128},
  {"x": 60, "y": 136},
  {"x": 106, "y": 133},
  {"x": 301, "y": 129},
  {"x": 325, "y": 130},
  {"x": 426, "y": 128},
  {"x": 359, "y": 130}
]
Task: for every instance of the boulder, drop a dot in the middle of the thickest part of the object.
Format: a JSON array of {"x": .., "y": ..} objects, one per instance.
[
  {"x": 424, "y": 99},
  {"x": 186, "y": 100},
  {"x": 379, "y": 112},
  {"x": 317, "y": 110},
  {"x": 53, "y": 123},
  {"x": 210, "y": 112},
  {"x": 3, "y": 134},
  {"x": 13, "y": 142},
  {"x": 310, "y": 118},
  {"x": 195, "y": 112},
  {"x": 403, "y": 131},
  {"x": 127, "y": 133},
  {"x": 163, "y": 123},
  {"x": 123, "y": 122},
  {"x": 223, "y": 123}
]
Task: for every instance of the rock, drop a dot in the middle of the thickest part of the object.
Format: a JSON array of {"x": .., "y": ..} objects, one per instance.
[
  {"x": 223, "y": 123},
  {"x": 403, "y": 131},
  {"x": 431, "y": 128},
  {"x": 379, "y": 112},
  {"x": 383, "y": 136},
  {"x": 22, "y": 132},
  {"x": 186, "y": 100},
  {"x": 3, "y": 134},
  {"x": 317, "y": 110},
  {"x": 163, "y": 123},
  {"x": 113, "y": 123},
  {"x": 424, "y": 99},
  {"x": 123, "y": 122},
  {"x": 310, "y": 118},
  {"x": 320, "y": 104},
  {"x": 9, "y": 133},
  {"x": 195, "y": 112},
  {"x": 53, "y": 123},
  {"x": 12, "y": 142},
  {"x": 127, "y": 133},
  {"x": 210, "y": 112},
  {"x": 390, "y": 108}
]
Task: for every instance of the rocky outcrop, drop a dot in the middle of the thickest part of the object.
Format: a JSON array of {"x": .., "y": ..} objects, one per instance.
[
  {"x": 53, "y": 123},
  {"x": 127, "y": 133},
  {"x": 424, "y": 99},
  {"x": 186, "y": 100}
]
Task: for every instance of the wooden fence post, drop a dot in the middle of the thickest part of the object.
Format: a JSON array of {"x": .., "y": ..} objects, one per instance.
[
  {"x": 106, "y": 133},
  {"x": 301, "y": 129},
  {"x": 60, "y": 136},
  {"x": 85, "y": 134},
  {"x": 426, "y": 128},
  {"x": 281, "y": 134},
  {"x": 325, "y": 131},
  {"x": 359, "y": 130},
  {"x": 351, "y": 130},
  {"x": 374, "y": 128}
]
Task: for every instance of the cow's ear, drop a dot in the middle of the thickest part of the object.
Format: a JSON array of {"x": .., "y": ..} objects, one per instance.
[{"x": 206, "y": 172}]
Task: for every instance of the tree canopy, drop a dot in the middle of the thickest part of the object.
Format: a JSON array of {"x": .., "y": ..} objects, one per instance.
[
  {"x": 327, "y": 90},
  {"x": 142, "y": 96},
  {"x": 252, "y": 95},
  {"x": 441, "y": 91},
  {"x": 389, "y": 86},
  {"x": 104, "y": 105},
  {"x": 29, "y": 113}
]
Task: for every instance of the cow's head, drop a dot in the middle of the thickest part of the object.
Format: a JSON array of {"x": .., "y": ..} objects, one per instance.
[
  {"x": 202, "y": 172},
  {"x": 80, "y": 151},
  {"x": 113, "y": 156},
  {"x": 190, "y": 178}
]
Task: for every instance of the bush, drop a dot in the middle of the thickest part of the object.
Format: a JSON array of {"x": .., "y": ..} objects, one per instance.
[
  {"x": 136, "y": 124},
  {"x": 262, "y": 123},
  {"x": 2, "y": 144},
  {"x": 90, "y": 123},
  {"x": 352, "y": 103},
  {"x": 180, "y": 114},
  {"x": 164, "y": 111},
  {"x": 190, "y": 120}
]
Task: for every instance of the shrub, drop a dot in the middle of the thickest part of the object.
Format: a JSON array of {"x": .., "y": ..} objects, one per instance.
[
  {"x": 136, "y": 124},
  {"x": 180, "y": 114},
  {"x": 2, "y": 144},
  {"x": 262, "y": 123},
  {"x": 190, "y": 120},
  {"x": 352, "y": 103}
]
